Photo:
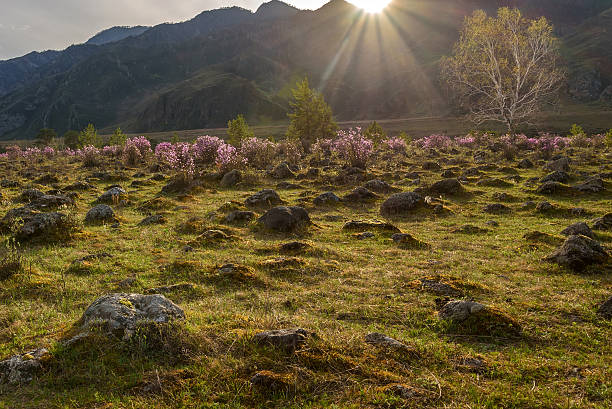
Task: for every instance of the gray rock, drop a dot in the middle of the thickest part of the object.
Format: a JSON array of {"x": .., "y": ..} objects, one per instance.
[
  {"x": 79, "y": 186},
  {"x": 591, "y": 185},
  {"x": 525, "y": 164},
  {"x": 431, "y": 166},
  {"x": 378, "y": 186},
  {"x": 560, "y": 165},
  {"x": 289, "y": 339},
  {"x": 112, "y": 195},
  {"x": 282, "y": 171},
  {"x": 285, "y": 219},
  {"x": 557, "y": 176},
  {"x": 459, "y": 310},
  {"x": 231, "y": 178},
  {"x": 493, "y": 182},
  {"x": 264, "y": 198},
  {"x": 578, "y": 252},
  {"x": 381, "y": 340},
  {"x": 30, "y": 194},
  {"x": 326, "y": 199},
  {"x": 47, "y": 202},
  {"x": 43, "y": 225},
  {"x": 121, "y": 313},
  {"x": 239, "y": 216},
  {"x": 603, "y": 223},
  {"x": 358, "y": 225},
  {"x": 579, "y": 229},
  {"x": 401, "y": 204},
  {"x": 605, "y": 309},
  {"x": 100, "y": 214},
  {"x": 153, "y": 219},
  {"x": 496, "y": 208},
  {"x": 20, "y": 369},
  {"x": 447, "y": 186},
  {"x": 544, "y": 207},
  {"x": 360, "y": 194},
  {"x": 555, "y": 188}
]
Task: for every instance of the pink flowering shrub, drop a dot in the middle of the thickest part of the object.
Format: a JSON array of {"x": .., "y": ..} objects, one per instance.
[
  {"x": 205, "y": 149},
  {"x": 112, "y": 151},
  {"x": 49, "y": 152},
  {"x": 14, "y": 152},
  {"x": 141, "y": 143},
  {"x": 259, "y": 153},
  {"x": 468, "y": 141},
  {"x": 435, "y": 142},
  {"x": 90, "y": 156},
  {"x": 396, "y": 145},
  {"x": 136, "y": 150},
  {"x": 4, "y": 156},
  {"x": 322, "y": 148},
  {"x": 291, "y": 151},
  {"x": 228, "y": 158},
  {"x": 354, "y": 148}
]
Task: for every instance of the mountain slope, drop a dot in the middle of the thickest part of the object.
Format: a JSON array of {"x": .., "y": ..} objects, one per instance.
[
  {"x": 204, "y": 71},
  {"x": 115, "y": 34}
]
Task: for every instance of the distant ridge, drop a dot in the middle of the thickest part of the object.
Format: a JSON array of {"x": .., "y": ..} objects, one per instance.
[{"x": 114, "y": 34}]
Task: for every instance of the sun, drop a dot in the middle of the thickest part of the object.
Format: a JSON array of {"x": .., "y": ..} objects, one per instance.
[{"x": 371, "y": 6}]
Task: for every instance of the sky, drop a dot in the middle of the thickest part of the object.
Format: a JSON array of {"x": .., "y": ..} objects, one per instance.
[{"x": 38, "y": 25}]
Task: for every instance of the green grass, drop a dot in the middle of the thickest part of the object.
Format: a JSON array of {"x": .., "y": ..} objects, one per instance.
[{"x": 341, "y": 289}]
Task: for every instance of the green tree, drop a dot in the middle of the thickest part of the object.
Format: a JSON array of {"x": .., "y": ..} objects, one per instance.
[
  {"x": 311, "y": 117},
  {"x": 375, "y": 132},
  {"x": 118, "y": 137},
  {"x": 577, "y": 131},
  {"x": 71, "y": 139},
  {"x": 45, "y": 136},
  {"x": 504, "y": 68},
  {"x": 238, "y": 130},
  {"x": 89, "y": 136}
]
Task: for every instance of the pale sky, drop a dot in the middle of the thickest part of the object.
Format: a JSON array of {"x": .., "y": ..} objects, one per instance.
[{"x": 37, "y": 25}]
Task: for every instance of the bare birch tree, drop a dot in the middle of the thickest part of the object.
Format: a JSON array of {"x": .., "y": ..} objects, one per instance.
[{"x": 504, "y": 68}]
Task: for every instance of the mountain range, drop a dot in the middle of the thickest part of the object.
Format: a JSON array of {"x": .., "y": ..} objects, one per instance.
[{"x": 202, "y": 72}]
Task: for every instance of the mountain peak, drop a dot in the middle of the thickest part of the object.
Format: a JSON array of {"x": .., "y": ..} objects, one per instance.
[
  {"x": 275, "y": 9},
  {"x": 117, "y": 33}
]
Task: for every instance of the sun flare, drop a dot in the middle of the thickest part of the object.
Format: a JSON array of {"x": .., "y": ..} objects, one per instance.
[{"x": 372, "y": 6}]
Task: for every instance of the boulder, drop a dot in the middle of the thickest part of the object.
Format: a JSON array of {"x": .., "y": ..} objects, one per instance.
[
  {"x": 493, "y": 182},
  {"x": 231, "y": 178},
  {"x": 360, "y": 194},
  {"x": 555, "y": 188},
  {"x": 357, "y": 225},
  {"x": 525, "y": 164},
  {"x": 401, "y": 204},
  {"x": 446, "y": 186},
  {"x": 239, "y": 216},
  {"x": 100, "y": 214},
  {"x": 20, "y": 369},
  {"x": 121, "y": 313},
  {"x": 112, "y": 195},
  {"x": 153, "y": 219},
  {"x": 561, "y": 165},
  {"x": 431, "y": 166},
  {"x": 378, "y": 186},
  {"x": 285, "y": 219},
  {"x": 264, "y": 198},
  {"x": 282, "y": 171},
  {"x": 29, "y": 194},
  {"x": 47, "y": 202},
  {"x": 579, "y": 229},
  {"x": 326, "y": 199},
  {"x": 603, "y": 223},
  {"x": 557, "y": 176},
  {"x": 496, "y": 208},
  {"x": 578, "y": 252},
  {"x": 46, "y": 227},
  {"x": 459, "y": 310},
  {"x": 605, "y": 309},
  {"x": 591, "y": 185},
  {"x": 381, "y": 340},
  {"x": 289, "y": 339}
]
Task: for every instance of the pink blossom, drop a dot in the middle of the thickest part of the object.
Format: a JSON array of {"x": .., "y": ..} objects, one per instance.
[{"x": 354, "y": 148}]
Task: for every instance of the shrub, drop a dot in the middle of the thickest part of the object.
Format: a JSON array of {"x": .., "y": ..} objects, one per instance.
[
  {"x": 468, "y": 141},
  {"x": 71, "y": 139},
  {"x": 396, "y": 145},
  {"x": 291, "y": 150},
  {"x": 118, "y": 138},
  {"x": 608, "y": 138},
  {"x": 238, "y": 130},
  {"x": 91, "y": 156},
  {"x": 228, "y": 158},
  {"x": 132, "y": 155},
  {"x": 112, "y": 151},
  {"x": 259, "y": 153},
  {"x": 354, "y": 148},
  {"x": 435, "y": 142},
  {"x": 375, "y": 132},
  {"x": 179, "y": 157},
  {"x": 322, "y": 148},
  {"x": 89, "y": 136},
  {"x": 205, "y": 149}
]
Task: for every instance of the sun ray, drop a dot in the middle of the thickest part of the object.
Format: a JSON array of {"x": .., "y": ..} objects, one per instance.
[{"x": 371, "y": 6}]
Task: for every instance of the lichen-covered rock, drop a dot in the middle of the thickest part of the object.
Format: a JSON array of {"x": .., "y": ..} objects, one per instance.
[
  {"x": 360, "y": 194},
  {"x": 112, "y": 195},
  {"x": 326, "y": 199},
  {"x": 401, "y": 204},
  {"x": 359, "y": 225},
  {"x": 605, "y": 309},
  {"x": 496, "y": 208},
  {"x": 47, "y": 202},
  {"x": 46, "y": 227},
  {"x": 121, "y": 313},
  {"x": 100, "y": 214},
  {"x": 231, "y": 178},
  {"x": 20, "y": 369},
  {"x": 578, "y": 252},
  {"x": 459, "y": 310},
  {"x": 264, "y": 198},
  {"x": 289, "y": 339},
  {"x": 579, "y": 229},
  {"x": 239, "y": 216},
  {"x": 555, "y": 188},
  {"x": 477, "y": 319},
  {"x": 447, "y": 186},
  {"x": 493, "y": 182},
  {"x": 591, "y": 185},
  {"x": 556, "y": 176},
  {"x": 153, "y": 219},
  {"x": 381, "y": 340},
  {"x": 559, "y": 165},
  {"x": 282, "y": 171},
  {"x": 379, "y": 186},
  {"x": 285, "y": 219},
  {"x": 603, "y": 223}
]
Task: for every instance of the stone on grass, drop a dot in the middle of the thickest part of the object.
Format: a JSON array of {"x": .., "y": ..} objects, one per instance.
[
  {"x": 447, "y": 186},
  {"x": 153, "y": 219},
  {"x": 46, "y": 227},
  {"x": 285, "y": 219},
  {"x": 20, "y": 369},
  {"x": 112, "y": 195},
  {"x": 525, "y": 164},
  {"x": 431, "y": 166},
  {"x": 401, "y": 204},
  {"x": 289, "y": 339},
  {"x": 231, "y": 178},
  {"x": 557, "y": 176},
  {"x": 121, "y": 313},
  {"x": 496, "y": 208},
  {"x": 469, "y": 229},
  {"x": 406, "y": 241},
  {"x": 459, "y": 310},
  {"x": 29, "y": 194},
  {"x": 561, "y": 164},
  {"x": 578, "y": 252},
  {"x": 381, "y": 340},
  {"x": 282, "y": 171},
  {"x": 100, "y": 214},
  {"x": 605, "y": 309},
  {"x": 264, "y": 198},
  {"x": 603, "y": 223},
  {"x": 326, "y": 199},
  {"x": 360, "y": 194},
  {"x": 477, "y": 319},
  {"x": 360, "y": 225},
  {"x": 239, "y": 216},
  {"x": 579, "y": 229},
  {"x": 378, "y": 186},
  {"x": 555, "y": 188},
  {"x": 493, "y": 182},
  {"x": 47, "y": 202},
  {"x": 545, "y": 207},
  {"x": 591, "y": 185}
]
